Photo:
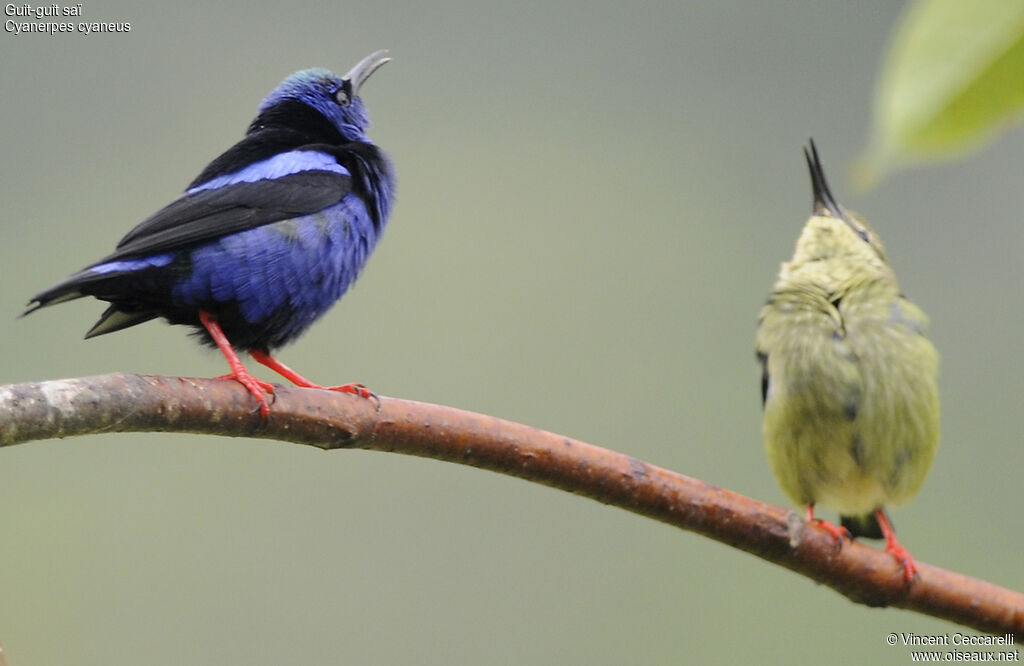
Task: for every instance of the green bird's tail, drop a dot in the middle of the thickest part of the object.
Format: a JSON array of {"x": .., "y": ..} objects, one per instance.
[{"x": 862, "y": 526}]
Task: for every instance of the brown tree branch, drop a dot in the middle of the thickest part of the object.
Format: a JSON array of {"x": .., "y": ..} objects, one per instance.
[{"x": 328, "y": 420}]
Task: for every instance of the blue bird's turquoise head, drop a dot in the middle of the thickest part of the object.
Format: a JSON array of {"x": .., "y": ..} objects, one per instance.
[{"x": 335, "y": 97}]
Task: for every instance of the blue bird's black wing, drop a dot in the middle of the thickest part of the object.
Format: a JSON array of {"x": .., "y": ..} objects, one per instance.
[
  {"x": 205, "y": 215},
  {"x": 209, "y": 214}
]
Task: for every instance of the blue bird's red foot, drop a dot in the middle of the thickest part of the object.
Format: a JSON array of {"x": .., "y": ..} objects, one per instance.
[
  {"x": 259, "y": 389},
  {"x": 266, "y": 359},
  {"x": 256, "y": 387},
  {"x": 893, "y": 547},
  {"x": 835, "y": 531}
]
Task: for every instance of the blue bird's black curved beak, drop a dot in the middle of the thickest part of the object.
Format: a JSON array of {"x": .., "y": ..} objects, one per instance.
[{"x": 367, "y": 66}]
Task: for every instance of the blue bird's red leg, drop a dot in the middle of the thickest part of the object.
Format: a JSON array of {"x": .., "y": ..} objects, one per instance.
[
  {"x": 266, "y": 359},
  {"x": 238, "y": 371},
  {"x": 837, "y": 532},
  {"x": 893, "y": 547}
]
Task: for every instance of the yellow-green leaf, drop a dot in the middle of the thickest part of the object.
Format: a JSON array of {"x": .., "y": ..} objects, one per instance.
[{"x": 953, "y": 77}]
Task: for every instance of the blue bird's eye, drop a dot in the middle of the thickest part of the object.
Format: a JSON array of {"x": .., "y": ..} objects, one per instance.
[{"x": 343, "y": 96}]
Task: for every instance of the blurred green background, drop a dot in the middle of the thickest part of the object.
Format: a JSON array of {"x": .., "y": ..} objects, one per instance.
[{"x": 594, "y": 200}]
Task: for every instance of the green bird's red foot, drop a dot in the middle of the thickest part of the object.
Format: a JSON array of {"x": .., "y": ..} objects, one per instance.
[
  {"x": 835, "y": 531},
  {"x": 893, "y": 547}
]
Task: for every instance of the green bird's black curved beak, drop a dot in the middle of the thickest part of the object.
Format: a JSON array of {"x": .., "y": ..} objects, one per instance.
[{"x": 823, "y": 199}]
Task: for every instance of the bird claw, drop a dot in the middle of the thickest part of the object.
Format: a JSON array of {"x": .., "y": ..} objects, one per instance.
[
  {"x": 893, "y": 547},
  {"x": 258, "y": 388},
  {"x": 266, "y": 386},
  {"x": 356, "y": 389},
  {"x": 904, "y": 558},
  {"x": 835, "y": 531}
]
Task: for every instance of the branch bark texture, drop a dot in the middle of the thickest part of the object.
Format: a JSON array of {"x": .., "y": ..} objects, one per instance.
[{"x": 329, "y": 420}]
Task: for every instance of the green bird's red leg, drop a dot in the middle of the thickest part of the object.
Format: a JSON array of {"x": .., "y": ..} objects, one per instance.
[
  {"x": 238, "y": 371},
  {"x": 893, "y": 547},
  {"x": 266, "y": 359},
  {"x": 837, "y": 532}
]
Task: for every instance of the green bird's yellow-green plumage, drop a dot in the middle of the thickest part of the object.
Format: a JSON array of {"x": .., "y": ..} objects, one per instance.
[{"x": 851, "y": 402}]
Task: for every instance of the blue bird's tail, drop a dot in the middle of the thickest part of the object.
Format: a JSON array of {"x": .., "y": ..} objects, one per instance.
[{"x": 105, "y": 282}]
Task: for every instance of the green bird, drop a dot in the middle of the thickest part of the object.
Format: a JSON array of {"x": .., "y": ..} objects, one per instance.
[{"x": 849, "y": 385}]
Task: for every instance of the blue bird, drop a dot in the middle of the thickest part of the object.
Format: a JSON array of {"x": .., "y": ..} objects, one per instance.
[{"x": 265, "y": 240}]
